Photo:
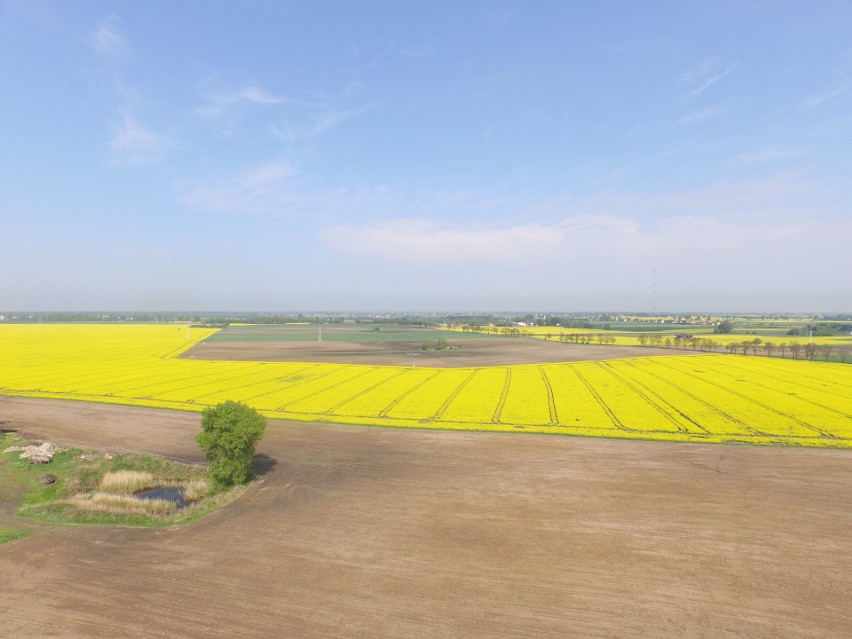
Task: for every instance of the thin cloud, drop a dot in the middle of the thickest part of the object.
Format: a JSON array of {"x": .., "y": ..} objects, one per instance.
[
  {"x": 433, "y": 241},
  {"x": 257, "y": 95},
  {"x": 698, "y": 116},
  {"x": 221, "y": 104},
  {"x": 700, "y": 71},
  {"x": 587, "y": 253},
  {"x": 134, "y": 143},
  {"x": 706, "y": 84},
  {"x": 825, "y": 97},
  {"x": 261, "y": 189},
  {"x": 773, "y": 153},
  {"x": 107, "y": 40},
  {"x": 329, "y": 120}
]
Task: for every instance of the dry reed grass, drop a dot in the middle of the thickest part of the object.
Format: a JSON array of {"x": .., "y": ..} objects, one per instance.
[
  {"x": 126, "y": 481},
  {"x": 116, "y": 493},
  {"x": 196, "y": 489},
  {"x": 110, "y": 502}
]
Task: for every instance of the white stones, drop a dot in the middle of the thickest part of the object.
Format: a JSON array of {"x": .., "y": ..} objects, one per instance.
[{"x": 36, "y": 454}]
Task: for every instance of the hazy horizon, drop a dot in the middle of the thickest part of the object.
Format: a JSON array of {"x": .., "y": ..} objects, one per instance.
[{"x": 456, "y": 156}]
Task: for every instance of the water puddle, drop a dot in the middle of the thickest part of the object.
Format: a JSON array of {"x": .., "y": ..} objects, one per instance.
[{"x": 162, "y": 492}]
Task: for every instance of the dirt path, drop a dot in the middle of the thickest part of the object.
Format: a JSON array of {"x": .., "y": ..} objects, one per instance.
[{"x": 367, "y": 532}]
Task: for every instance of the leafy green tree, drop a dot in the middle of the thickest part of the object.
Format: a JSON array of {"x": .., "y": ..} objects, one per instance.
[
  {"x": 725, "y": 326},
  {"x": 229, "y": 433}
]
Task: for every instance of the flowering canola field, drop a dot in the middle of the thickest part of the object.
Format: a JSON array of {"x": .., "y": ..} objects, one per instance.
[{"x": 715, "y": 398}]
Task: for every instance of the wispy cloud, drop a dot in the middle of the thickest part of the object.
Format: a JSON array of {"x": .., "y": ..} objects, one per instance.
[
  {"x": 618, "y": 245},
  {"x": 774, "y": 153},
  {"x": 706, "y": 84},
  {"x": 704, "y": 68},
  {"x": 705, "y": 75},
  {"x": 257, "y": 95},
  {"x": 134, "y": 143},
  {"x": 327, "y": 121},
  {"x": 698, "y": 116},
  {"x": 221, "y": 103},
  {"x": 108, "y": 41},
  {"x": 826, "y": 97},
  {"x": 433, "y": 241},
  {"x": 287, "y": 118},
  {"x": 499, "y": 19},
  {"x": 264, "y": 189}
]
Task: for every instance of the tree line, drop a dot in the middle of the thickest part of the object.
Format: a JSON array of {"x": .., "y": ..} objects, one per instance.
[{"x": 809, "y": 351}]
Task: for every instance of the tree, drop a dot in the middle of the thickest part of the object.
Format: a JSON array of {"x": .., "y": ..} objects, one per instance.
[
  {"x": 725, "y": 326},
  {"x": 229, "y": 433},
  {"x": 795, "y": 349},
  {"x": 769, "y": 347},
  {"x": 810, "y": 350}
]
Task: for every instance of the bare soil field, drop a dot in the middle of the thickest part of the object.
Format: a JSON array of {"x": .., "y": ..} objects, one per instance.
[
  {"x": 370, "y": 532},
  {"x": 482, "y": 351}
]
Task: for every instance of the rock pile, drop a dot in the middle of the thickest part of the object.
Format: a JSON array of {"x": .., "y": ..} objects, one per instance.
[{"x": 36, "y": 454}]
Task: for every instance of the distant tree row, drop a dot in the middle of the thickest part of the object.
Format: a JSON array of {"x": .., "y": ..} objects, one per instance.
[
  {"x": 505, "y": 331},
  {"x": 822, "y": 330},
  {"x": 513, "y": 331},
  {"x": 679, "y": 341},
  {"x": 796, "y": 350},
  {"x": 584, "y": 338}
]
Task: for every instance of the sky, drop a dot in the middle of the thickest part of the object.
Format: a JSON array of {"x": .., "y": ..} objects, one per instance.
[{"x": 429, "y": 156}]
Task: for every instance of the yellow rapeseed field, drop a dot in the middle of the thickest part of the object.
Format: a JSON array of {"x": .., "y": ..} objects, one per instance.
[
  {"x": 709, "y": 398},
  {"x": 631, "y": 338}
]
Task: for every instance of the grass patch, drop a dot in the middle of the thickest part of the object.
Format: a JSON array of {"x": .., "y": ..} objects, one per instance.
[
  {"x": 98, "y": 488},
  {"x": 11, "y": 534}
]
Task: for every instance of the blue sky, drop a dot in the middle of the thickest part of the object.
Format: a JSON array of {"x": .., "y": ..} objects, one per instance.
[{"x": 426, "y": 156}]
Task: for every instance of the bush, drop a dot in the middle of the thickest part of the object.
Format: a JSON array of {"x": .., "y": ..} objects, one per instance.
[{"x": 229, "y": 433}]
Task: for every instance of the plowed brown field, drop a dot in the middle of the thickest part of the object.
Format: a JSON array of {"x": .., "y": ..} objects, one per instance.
[
  {"x": 483, "y": 351},
  {"x": 368, "y": 532}
]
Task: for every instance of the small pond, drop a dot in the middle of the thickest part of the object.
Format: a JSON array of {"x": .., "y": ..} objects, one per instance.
[{"x": 162, "y": 492}]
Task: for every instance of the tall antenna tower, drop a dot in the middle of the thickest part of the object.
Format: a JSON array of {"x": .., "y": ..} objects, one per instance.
[{"x": 654, "y": 291}]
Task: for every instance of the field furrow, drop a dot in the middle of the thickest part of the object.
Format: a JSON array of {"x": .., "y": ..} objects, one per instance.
[
  {"x": 477, "y": 401},
  {"x": 427, "y": 399},
  {"x": 527, "y": 401}
]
